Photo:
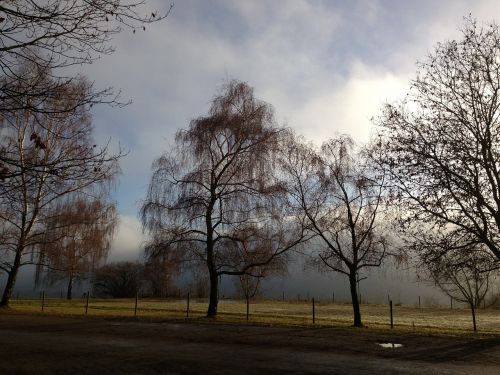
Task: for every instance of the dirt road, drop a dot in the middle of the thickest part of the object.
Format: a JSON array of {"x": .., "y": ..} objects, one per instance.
[{"x": 55, "y": 345}]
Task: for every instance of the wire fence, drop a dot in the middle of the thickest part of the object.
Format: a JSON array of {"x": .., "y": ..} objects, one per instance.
[{"x": 312, "y": 312}]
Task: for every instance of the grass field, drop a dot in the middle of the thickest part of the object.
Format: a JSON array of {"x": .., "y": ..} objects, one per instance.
[
  {"x": 437, "y": 320},
  {"x": 431, "y": 320}
]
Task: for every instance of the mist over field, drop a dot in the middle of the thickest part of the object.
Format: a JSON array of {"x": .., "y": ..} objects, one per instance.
[{"x": 402, "y": 285}]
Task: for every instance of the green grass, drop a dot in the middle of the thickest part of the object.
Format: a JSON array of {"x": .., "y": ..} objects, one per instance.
[{"x": 264, "y": 312}]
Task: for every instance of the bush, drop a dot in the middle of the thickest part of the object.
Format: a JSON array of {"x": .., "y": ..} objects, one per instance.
[{"x": 118, "y": 280}]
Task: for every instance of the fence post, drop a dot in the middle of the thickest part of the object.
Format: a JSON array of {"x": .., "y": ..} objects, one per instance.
[
  {"x": 43, "y": 299},
  {"x": 283, "y": 296},
  {"x": 390, "y": 308},
  {"x": 419, "y": 302},
  {"x": 314, "y": 311},
  {"x": 451, "y": 303},
  {"x": 333, "y": 297},
  {"x": 187, "y": 307},
  {"x": 248, "y": 307},
  {"x": 136, "y": 301},
  {"x": 87, "y": 304}
]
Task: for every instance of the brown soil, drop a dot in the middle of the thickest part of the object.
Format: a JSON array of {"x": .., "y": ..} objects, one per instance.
[{"x": 37, "y": 344}]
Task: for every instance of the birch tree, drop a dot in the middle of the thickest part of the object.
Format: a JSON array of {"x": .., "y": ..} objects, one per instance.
[
  {"x": 216, "y": 196},
  {"x": 52, "y": 154}
]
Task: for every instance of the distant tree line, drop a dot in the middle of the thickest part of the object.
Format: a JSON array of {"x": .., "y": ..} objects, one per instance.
[{"x": 128, "y": 279}]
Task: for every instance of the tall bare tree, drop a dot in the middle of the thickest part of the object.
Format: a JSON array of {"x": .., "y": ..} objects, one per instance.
[
  {"x": 341, "y": 199},
  {"x": 463, "y": 271},
  {"x": 77, "y": 239},
  {"x": 45, "y": 39},
  {"x": 52, "y": 155},
  {"x": 441, "y": 145},
  {"x": 216, "y": 196},
  {"x": 57, "y": 34}
]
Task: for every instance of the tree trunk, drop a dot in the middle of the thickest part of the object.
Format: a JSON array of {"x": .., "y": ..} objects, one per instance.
[
  {"x": 11, "y": 280},
  {"x": 70, "y": 288},
  {"x": 473, "y": 310},
  {"x": 354, "y": 298},
  {"x": 213, "y": 298}
]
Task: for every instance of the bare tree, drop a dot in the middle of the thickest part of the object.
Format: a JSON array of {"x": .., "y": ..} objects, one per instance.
[
  {"x": 216, "y": 197},
  {"x": 118, "y": 280},
  {"x": 441, "y": 145},
  {"x": 76, "y": 240},
  {"x": 160, "y": 272},
  {"x": 51, "y": 155},
  {"x": 463, "y": 271},
  {"x": 341, "y": 199},
  {"x": 249, "y": 286},
  {"x": 200, "y": 281},
  {"x": 57, "y": 34},
  {"x": 41, "y": 42}
]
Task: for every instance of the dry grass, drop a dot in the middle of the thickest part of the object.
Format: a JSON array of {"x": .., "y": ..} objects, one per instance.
[{"x": 406, "y": 319}]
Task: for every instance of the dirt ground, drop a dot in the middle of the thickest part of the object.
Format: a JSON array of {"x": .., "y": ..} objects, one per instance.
[{"x": 37, "y": 344}]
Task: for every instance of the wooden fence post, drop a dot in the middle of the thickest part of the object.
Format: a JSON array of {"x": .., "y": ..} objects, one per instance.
[
  {"x": 333, "y": 297},
  {"x": 419, "y": 302},
  {"x": 136, "y": 301},
  {"x": 248, "y": 307},
  {"x": 87, "y": 303},
  {"x": 187, "y": 307},
  {"x": 43, "y": 299},
  {"x": 314, "y": 311},
  {"x": 390, "y": 308}
]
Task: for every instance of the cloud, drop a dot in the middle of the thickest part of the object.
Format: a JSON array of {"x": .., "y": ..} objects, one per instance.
[
  {"x": 326, "y": 67},
  {"x": 348, "y": 108},
  {"x": 127, "y": 241}
]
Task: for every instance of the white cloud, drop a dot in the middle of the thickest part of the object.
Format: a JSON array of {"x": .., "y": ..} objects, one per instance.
[
  {"x": 348, "y": 108},
  {"x": 127, "y": 241},
  {"x": 326, "y": 67}
]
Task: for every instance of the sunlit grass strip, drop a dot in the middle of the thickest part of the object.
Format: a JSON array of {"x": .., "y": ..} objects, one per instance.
[{"x": 407, "y": 319}]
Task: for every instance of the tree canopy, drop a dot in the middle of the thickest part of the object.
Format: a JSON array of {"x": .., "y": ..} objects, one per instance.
[
  {"x": 441, "y": 145},
  {"x": 216, "y": 195}
]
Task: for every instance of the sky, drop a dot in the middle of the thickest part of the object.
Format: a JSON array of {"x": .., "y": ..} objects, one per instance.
[{"x": 327, "y": 67}]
